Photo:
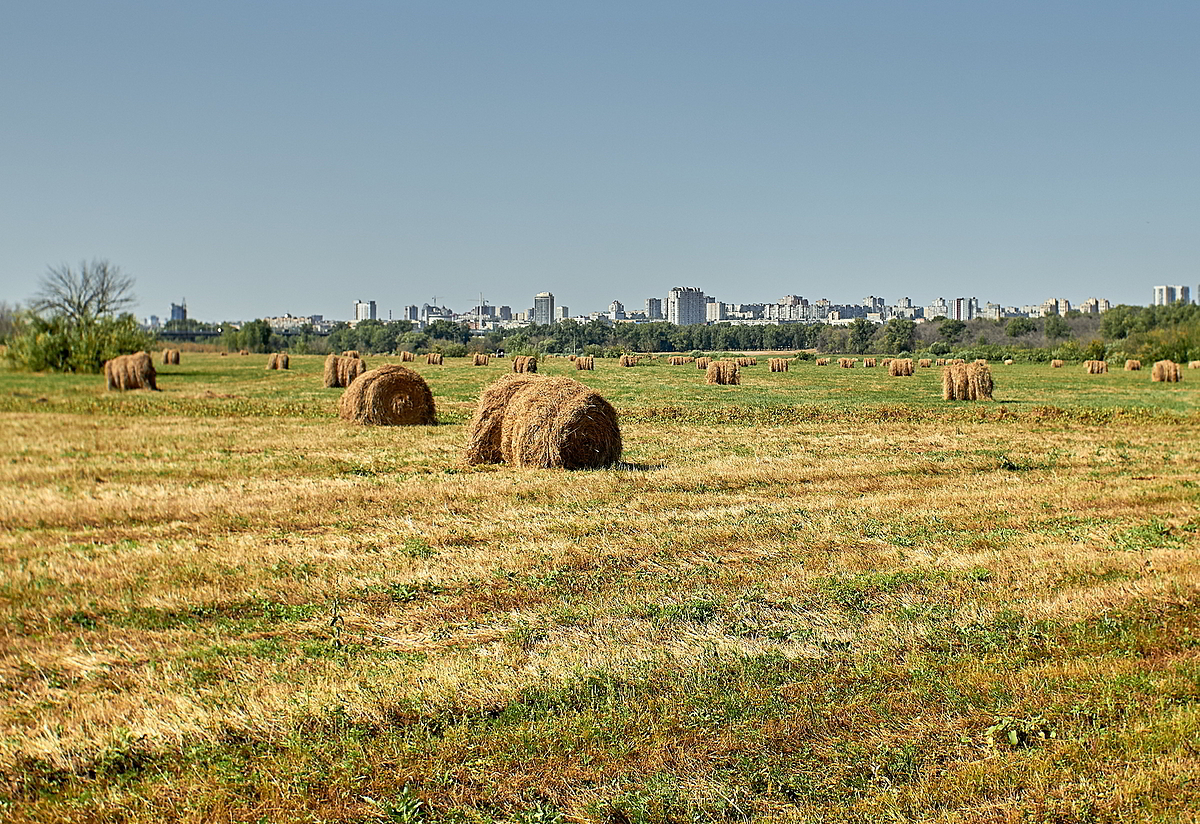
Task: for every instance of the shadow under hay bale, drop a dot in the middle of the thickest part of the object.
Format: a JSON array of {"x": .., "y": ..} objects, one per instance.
[
  {"x": 722, "y": 373},
  {"x": 127, "y": 372},
  {"x": 543, "y": 422},
  {"x": 389, "y": 395},
  {"x": 1165, "y": 371}
]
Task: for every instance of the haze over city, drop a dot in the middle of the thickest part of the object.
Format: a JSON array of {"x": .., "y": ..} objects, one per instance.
[{"x": 259, "y": 158}]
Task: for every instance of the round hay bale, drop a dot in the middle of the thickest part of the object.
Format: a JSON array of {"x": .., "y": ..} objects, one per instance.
[
  {"x": 483, "y": 432},
  {"x": 126, "y": 372},
  {"x": 479, "y": 360},
  {"x": 1056, "y": 364},
  {"x": 389, "y": 395},
  {"x": 433, "y": 359},
  {"x": 351, "y": 353},
  {"x": 1165, "y": 371},
  {"x": 925, "y": 363},
  {"x": 822, "y": 361},
  {"x": 629, "y": 360},
  {"x": 407, "y": 357},
  {"x": 559, "y": 422},
  {"x": 273, "y": 361},
  {"x": 283, "y": 361},
  {"x": 1133, "y": 365},
  {"x": 722, "y": 373},
  {"x": 333, "y": 372},
  {"x": 585, "y": 363},
  {"x": 349, "y": 369}
]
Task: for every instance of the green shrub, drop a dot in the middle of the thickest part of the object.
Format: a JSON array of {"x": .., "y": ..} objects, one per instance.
[{"x": 58, "y": 344}]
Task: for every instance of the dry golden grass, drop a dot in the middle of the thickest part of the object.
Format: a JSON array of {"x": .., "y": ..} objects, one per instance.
[{"x": 276, "y": 618}]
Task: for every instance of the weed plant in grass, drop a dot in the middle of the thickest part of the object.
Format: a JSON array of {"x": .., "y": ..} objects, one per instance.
[{"x": 823, "y": 595}]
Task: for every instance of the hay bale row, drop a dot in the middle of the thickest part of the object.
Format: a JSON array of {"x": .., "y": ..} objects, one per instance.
[
  {"x": 479, "y": 360},
  {"x": 628, "y": 360},
  {"x": 1165, "y": 371},
  {"x": 434, "y": 359},
  {"x": 869, "y": 362},
  {"x": 1056, "y": 364},
  {"x": 822, "y": 361},
  {"x": 351, "y": 353},
  {"x": 900, "y": 367},
  {"x": 134, "y": 371},
  {"x": 954, "y": 361},
  {"x": 702, "y": 363},
  {"x": 778, "y": 364},
  {"x": 941, "y": 361},
  {"x": 723, "y": 373},
  {"x": 966, "y": 382},
  {"x": 524, "y": 363},
  {"x": 1133, "y": 365},
  {"x": 847, "y": 363},
  {"x": 585, "y": 363},
  {"x": 746, "y": 361},
  {"x": 1096, "y": 367},
  {"x": 543, "y": 422},
  {"x": 277, "y": 360},
  {"x": 679, "y": 360},
  {"x": 389, "y": 395},
  {"x": 406, "y": 356},
  {"x": 170, "y": 357},
  {"x": 925, "y": 363}
]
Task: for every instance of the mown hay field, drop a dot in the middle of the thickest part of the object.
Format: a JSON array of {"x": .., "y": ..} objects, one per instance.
[{"x": 822, "y": 595}]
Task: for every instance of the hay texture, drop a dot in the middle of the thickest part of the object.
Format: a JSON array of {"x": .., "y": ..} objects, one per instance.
[
  {"x": 702, "y": 363},
  {"x": 433, "y": 359},
  {"x": 1008, "y": 361},
  {"x": 1056, "y": 364},
  {"x": 585, "y": 363},
  {"x": 244, "y": 352},
  {"x": 1194, "y": 364},
  {"x": 351, "y": 353},
  {"x": 331, "y": 374},
  {"x": 745, "y": 361},
  {"x": 778, "y": 364},
  {"x": 722, "y": 373},
  {"x": 869, "y": 362},
  {"x": 847, "y": 363},
  {"x": 349, "y": 369},
  {"x": 524, "y": 363},
  {"x": 925, "y": 363},
  {"x": 967, "y": 382},
  {"x": 1096, "y": 367},
  {"x": 822, "y": 361},
  {"x": 679, "y": 360},
  {"x": 272, "y": 361},
  {"x": 941, "y": 361},
  {"x": 406, "y": 356},
  {"x": 135, "y": 371},
  {"x": 479, "y": 360},
  {"x": 1165, "y": 371},
  {"x": 629, "y": 360},
  {"x": 900, "y": 367},
  {"x": 1133, "y": 365},
  {"x": 389, "y": 395},
  {"x": 170, "y": 357},
  {"x": 543, "y": 422}
]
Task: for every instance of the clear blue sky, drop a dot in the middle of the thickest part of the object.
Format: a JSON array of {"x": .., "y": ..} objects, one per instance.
[{"x": 268, "y": 157}]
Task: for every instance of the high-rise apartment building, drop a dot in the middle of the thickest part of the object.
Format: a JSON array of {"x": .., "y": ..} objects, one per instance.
[
  {"x": 616, "y": 310},
  {"x": 1166, "y": 295},
  {"x": 1095, "y": 306},
  {"x": 543, "y": 309},
  {"x": 685, "y": 306},
  {"x": 654, "y": 309},
  {"x": 364, "y": 310},
  {"x": 562, "y": 312},
  {"x": 179, "y": 311}
]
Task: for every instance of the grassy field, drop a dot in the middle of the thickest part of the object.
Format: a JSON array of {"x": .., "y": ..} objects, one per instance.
[{"x": 825, "y": 595}]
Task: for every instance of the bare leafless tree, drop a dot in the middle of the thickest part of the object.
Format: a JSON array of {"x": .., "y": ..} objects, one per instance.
[{"x": 97, "y": 288}]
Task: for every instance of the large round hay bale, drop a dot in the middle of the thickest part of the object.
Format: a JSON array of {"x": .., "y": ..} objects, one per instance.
[
  {"x": 389, "y": 395},
  {"x": 333, "y": 372},
  {"x": 559, "y": 423},
  {"x": 135, "y": 371},
  {"x": 483, "y": 432}
]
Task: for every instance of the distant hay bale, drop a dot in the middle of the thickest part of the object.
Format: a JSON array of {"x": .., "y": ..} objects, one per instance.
[
  {"x": 822, "y": 361},
  {"x": 272, "y": 361},
  {"x": 127, "y": 372},
  {"x": 723, "y": 373},
  {"x": 543, "y": 422},
  {"x": 407, "y": 357},
  {"x": 744, "y": 361},
  {"x": 585, "y": 363},
  {"x": 1165, "y": 371},
  {"x": 925, "y": 363},
  {"x": 954, "y": 382},
  {"x": 981, "y": 361},
  {"x": 224, "y": 354},
  {"x": 243, "y": 351},
  {"x": 433, "y": 359},
  {"x": 1056, "y": 364},
  {"x": 170, "y": 357},
  {"x": 869, "y": 362},
  {"x": 284, "y": 362},
  {"x": 979, "y": 382},
  {"x": 333, "y": 373},
  {"x": 967, "y": 382},
  {"x": 1008, "y": 361},
  {"x": 1194, "y": 364},
  {"x": 941, "y": 361},
  {"x": 1096, "y": 367},
  {"x": 351, "y": 353},
  {"x": 778, "y": 364},
  {"x": 886, "y": 361},
  {"x": 1133, "y": 365},
  {"x": 479, "y": 360},
  {"x": 702, "y": 363},
  {"x": 389, "y": 395},
  {"x": 524, "y": 363},
  {"x": 628, "y": 360},
  {"x": 955, "y": 361},
  {"x": 349, "y": 369},
  {"x": 900, "y": 367},
  {"x": 679, "y": 360},
  {"x": 847, "y": 363}
]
